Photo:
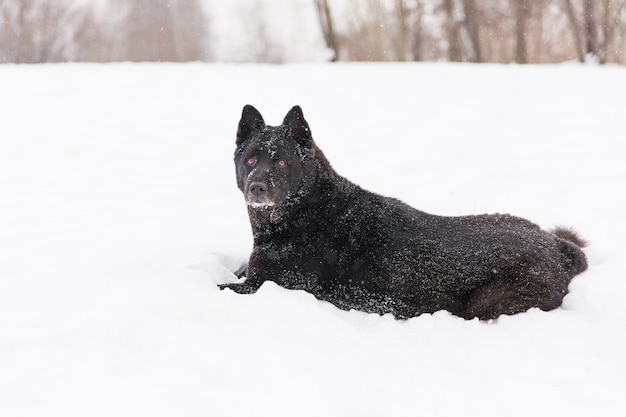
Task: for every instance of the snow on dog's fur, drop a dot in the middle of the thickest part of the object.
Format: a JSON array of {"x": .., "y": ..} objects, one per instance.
[{"x": 316, "y": 231}]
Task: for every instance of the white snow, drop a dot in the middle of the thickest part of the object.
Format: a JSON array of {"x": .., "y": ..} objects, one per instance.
[{"x": 119, "y": 214}]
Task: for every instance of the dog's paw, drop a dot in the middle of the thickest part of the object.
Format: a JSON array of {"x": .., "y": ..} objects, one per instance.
[{"x": 242, "y": 288}]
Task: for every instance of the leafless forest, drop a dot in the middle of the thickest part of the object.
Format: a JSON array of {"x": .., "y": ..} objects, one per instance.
[{"x": 503, "y": 31}]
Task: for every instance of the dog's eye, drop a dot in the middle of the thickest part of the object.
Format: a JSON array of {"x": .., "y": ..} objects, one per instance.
[
  {"x": 281, "y": 164},
  {"x": 251, "y": 161}
]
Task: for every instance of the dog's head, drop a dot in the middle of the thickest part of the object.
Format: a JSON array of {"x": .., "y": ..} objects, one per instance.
[{"x": 273, "y": 163}]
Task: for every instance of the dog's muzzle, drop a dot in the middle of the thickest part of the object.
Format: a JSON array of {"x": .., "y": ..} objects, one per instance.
[{"x": 258, "y": 196}]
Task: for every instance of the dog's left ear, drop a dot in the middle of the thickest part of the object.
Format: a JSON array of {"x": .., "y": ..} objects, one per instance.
[{"x": 294, "y": 120}]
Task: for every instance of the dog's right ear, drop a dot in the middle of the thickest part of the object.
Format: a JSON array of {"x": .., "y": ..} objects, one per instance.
[{"x": 251, "y": 122}]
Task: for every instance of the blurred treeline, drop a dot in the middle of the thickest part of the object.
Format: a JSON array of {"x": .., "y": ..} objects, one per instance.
[
  {"x": 522, "y": 31},
  {"x": 37, "y": 31}
]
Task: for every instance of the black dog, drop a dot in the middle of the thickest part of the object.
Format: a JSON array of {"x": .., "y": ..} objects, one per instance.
[{"x": 316, "y": 231}]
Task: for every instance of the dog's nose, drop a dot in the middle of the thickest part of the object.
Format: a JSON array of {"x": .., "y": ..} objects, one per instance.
[{"x": 257, "y": 188}]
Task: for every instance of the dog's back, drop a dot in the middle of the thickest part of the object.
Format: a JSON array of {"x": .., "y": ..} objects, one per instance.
[{"x": 473, "y": 266}]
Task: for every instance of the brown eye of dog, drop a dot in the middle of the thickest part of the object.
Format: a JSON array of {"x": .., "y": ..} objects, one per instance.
[
  {"x": 251, "y": 161},
  {"x": 281, "y": 164}
]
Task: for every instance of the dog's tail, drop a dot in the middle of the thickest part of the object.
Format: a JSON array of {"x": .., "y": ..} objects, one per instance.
[{"x": 571, "y": 244}]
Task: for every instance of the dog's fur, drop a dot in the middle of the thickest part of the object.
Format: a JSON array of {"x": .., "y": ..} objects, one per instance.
[{"x": 316, "y": 231}]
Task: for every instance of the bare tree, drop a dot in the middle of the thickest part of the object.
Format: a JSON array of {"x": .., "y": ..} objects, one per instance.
[
  {"x": 472, "y": 24},
  {"x": 369, "y": 33},
  {"x": 161, "y": 30},
  {"x": 615, "y": 30},
  {"x": 452, "y": 31},
  {"x": 463, "y": 25},
  {"x": 590, "y": 31},
  {"x": 521, "y": 19},
  {"x": 594, "y": 24},
  {"x": 35, "y": 31},
  {"x": 523, "y": 31},
  {"x": 602, "y": 21},
  {"x": 407, "y": 28},
  {"x": 401, "y": 43},
  {"x": 416, "y": 19},
  {"x": 328, "y": 29},
  {"x": 93, "y": 40},
  {"x": 574, "y": 25}
]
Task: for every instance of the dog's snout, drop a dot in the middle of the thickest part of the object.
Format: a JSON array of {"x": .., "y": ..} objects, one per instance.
[
  {"x": 257, "y": 188},
  {"x": 259, "y": 194}
]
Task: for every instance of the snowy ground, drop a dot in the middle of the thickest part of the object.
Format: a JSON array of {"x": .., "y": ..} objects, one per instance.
[{"x": 119, "y": 213}]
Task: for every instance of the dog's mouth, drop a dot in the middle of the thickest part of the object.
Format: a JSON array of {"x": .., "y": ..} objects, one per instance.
[
  {"x": 259, "y": 201},
  {"x": 260, "y": 204}
]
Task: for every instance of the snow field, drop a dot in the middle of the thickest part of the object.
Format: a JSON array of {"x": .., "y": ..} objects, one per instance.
[{"x": 120, "y": 212}]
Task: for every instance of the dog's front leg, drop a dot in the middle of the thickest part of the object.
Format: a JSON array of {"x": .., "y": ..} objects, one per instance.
[{"x": 249, "y": 286}]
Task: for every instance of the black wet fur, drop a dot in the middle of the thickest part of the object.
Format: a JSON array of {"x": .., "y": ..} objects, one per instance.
[{"x": 316, "y": 231}]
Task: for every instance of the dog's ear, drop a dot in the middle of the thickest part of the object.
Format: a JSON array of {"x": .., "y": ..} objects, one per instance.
[
  {"x": 294, "y": 120},
  {"x": 251, "y": 122}
]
